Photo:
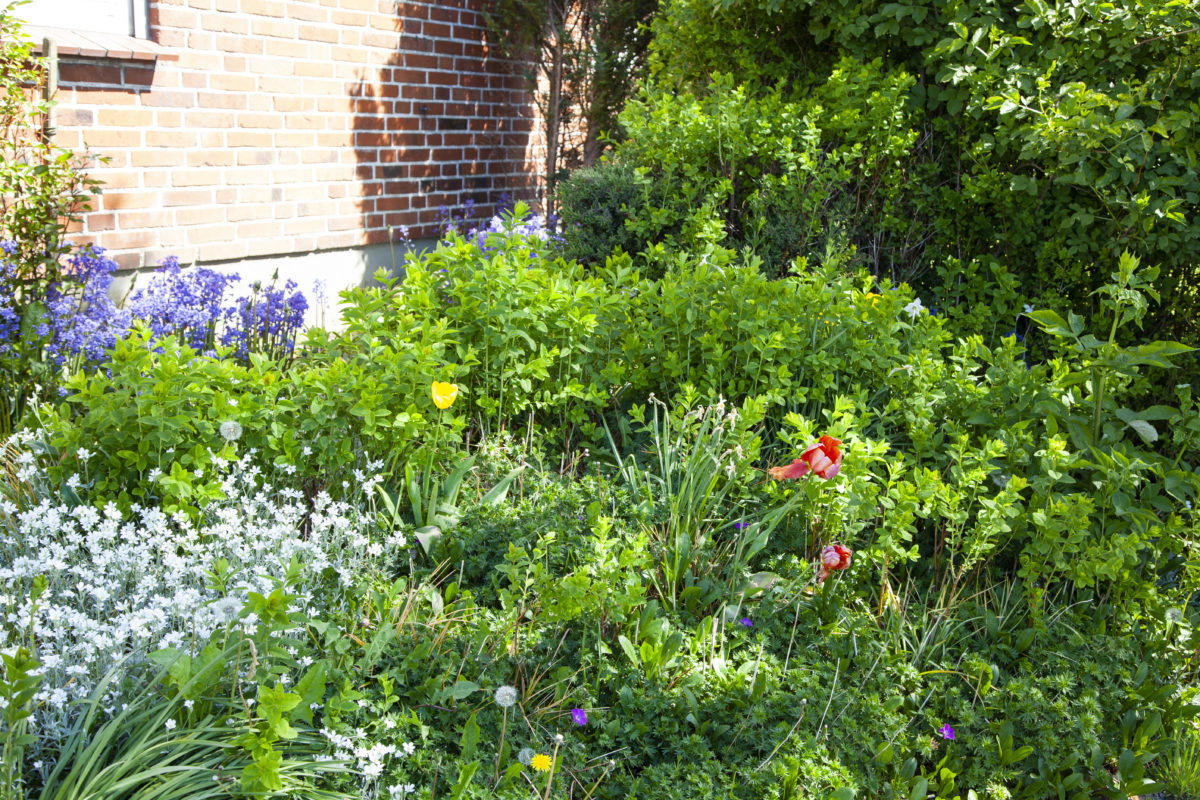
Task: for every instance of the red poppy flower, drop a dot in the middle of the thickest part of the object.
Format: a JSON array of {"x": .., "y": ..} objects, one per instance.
[
  {"x": 823, "y": 459},
  {"x": 833, "y": 557}
]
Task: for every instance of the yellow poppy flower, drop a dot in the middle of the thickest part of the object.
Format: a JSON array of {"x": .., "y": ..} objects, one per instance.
[
  {"x": 873, "y": 297},
  {"x": 541, "y": 762},
  {"x": 444, "y": 394}
]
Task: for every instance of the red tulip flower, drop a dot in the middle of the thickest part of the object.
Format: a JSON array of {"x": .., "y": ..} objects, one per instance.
[
  {"x": 833, "y": 557},
  {"x": 823, "y": 459}
]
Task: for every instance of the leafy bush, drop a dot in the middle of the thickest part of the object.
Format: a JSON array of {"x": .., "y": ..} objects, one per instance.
[
  {"x": 1045, "y": 141},
  {"x": 780, "y": 173},
  {"x": 595, "y": 205}
]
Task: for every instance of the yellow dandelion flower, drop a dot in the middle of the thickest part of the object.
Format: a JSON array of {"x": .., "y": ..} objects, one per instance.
[
  {"x": 444, "y": 394},
  {"x": 541, "y": 762},
  {"x": 874, "y": 298}
]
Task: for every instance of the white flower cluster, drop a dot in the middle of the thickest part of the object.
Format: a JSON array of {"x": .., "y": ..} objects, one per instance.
[
  {"x": 370, "y": 759},
  {"x": 126, "y": 585}
]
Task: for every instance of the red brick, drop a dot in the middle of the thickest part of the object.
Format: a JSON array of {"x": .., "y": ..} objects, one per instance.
[
  {"x": 100, "y": 222},
  {"x": 220, "y": 100},
  {"x": 168, "y": 17},
  {"x": 187, "y": 197},
  {"x": 228, "y": 82},
  {"x": 276, "y": 28},
  {"x": 119, "y": 179},
  {"x": 199, "y": 216},
  {"x": 318, "y": 33},
  {"x": 173, "y": 138},
  {"x": 221, "y": 251},
  {"x": 101, "y": 137},
  {"x": 89, "y": 73},
  {"x": 264, "y": 8},
  {"x": 287, "y": 48},
  {"x": 224, "y": 23},
  {"x": 130, "y": 240},
  {"x": 125, "y": 117},
  {"x": 209, "y": 119},
  {"x": 242, "y": 176},
  {"x": 210, "y": 158},
  {"x": 169, "y": 99},
  {"x": 229, "y": 43},
  {"x": 144, "y": 77},
  {"x": 150, "y": 218},
  {"x": 242, "y": 212}
]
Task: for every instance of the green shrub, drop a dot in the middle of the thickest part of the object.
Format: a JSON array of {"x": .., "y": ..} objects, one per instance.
[
  {"x": 148, "y": 428},
  {"x": 525, "y": 326},
  {"x": 595, "y": 204},
  {"x": 1047, "y": 142}
]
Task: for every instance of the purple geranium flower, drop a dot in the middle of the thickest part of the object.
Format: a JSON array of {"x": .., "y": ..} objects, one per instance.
[
  {"x": 579, "y": 716},
  {"x": 747, "y": 622},
  {"x": 946, "y": 731}
]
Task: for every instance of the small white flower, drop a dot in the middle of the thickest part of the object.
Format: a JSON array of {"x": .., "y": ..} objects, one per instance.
[
  {"x": 505, "y": 696},
  {"x": 232, "y": 402},
  {"x": 83, "y": 454},
  {"x": 170, "y": 724},
  {"x": 231, "y": 431},
  {"x": 409, "y": 748},
  {"x": 389, "y": 723},
  {"x": 914, "y": 308},
  {"x": 1028, "y": 308},
  {"x": 188, "y": 704}
]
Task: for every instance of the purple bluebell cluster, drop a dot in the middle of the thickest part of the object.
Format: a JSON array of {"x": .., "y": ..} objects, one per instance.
[
  {"x": 73, "y": 316},
  {"x": 268, "y": 320},
  {"x": 81, "y": 318},
  {"x": 186, "y": 304},
  {"x": 10, "y": 314},
  {"x": 516, "y": 225}
]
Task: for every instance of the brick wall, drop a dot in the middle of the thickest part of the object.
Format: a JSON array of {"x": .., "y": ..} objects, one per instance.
[{"x": 288, "y": 126}]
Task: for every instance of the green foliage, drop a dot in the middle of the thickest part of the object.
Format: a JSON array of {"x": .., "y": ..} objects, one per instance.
[
  {"x": 780, "y": 173},
  {"x": 527, "y": 328},
  {"x": 1179, "y": 768},
  {"x": 595, "y": 204},
  {"x": 1048, "y": 137},
  {"x": 147, "y": 429},
  {"x": 42, "y": 190},
  {"x": 18, "y": 685},
  {"x": 153, "y": 417}
]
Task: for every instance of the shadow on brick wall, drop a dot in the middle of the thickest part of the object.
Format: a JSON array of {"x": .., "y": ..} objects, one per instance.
[{"x": 445, "y": 130}]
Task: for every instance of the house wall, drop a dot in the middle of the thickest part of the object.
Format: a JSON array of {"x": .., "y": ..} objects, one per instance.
[{"x": 287, "y": 127}]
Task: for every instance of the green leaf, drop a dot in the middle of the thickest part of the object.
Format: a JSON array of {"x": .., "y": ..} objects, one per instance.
[
  {"x": 311, "y": 689},
  {"x": 495, "y": 496},
  {"x": 428, "y": 537},
  {"x": 630, "y": 652},
  {"x": 1144, "y": 429},
  {"x": 470, "y": 738},
  {"x": 464, "y": 778},
  {"x": 462, "y": 689}
]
